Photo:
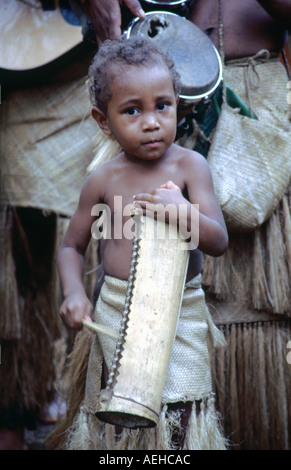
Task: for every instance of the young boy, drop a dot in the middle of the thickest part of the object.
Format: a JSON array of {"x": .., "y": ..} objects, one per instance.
[{"x": 134, "y": 90}]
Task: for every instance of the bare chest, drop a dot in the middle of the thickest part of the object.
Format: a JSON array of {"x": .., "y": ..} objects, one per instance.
[{"x": 126, "y": 184}]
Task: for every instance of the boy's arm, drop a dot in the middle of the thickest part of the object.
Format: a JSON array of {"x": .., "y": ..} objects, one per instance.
[
  {"x": 70, "y": 262},
  {"x": 212, "y": 238}
]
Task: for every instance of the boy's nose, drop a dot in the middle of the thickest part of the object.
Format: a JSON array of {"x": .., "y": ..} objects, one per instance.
[{"x": 150, "y": 122}]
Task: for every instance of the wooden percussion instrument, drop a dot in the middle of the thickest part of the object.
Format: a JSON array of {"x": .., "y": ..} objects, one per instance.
[
  {"x": 179, "y": 7},
  {"x": 195, "y": 56},
  {"x": 133, "y": 394}
]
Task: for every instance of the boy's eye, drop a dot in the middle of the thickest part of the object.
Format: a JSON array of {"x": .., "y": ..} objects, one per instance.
[
  {"x": 162, "y": 106},
  {"x": 131, "y": 111}
]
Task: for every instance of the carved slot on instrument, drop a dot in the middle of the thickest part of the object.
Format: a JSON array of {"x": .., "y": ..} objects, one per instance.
[
  {"x": 113, "y": 373},
  {"x": 156, "y": 25}
]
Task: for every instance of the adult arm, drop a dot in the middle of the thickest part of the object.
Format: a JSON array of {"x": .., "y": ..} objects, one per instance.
[{"x": 106, "y": 16}]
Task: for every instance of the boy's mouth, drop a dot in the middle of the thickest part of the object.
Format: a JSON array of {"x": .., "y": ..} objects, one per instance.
[{"x": 152, "y": 143}]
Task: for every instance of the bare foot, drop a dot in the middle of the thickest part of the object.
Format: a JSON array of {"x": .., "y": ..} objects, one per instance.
[{"x": 53, "y": 411}]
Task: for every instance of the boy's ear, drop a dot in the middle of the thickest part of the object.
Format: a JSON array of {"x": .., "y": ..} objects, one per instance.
[{"x": 101, "y": 120}]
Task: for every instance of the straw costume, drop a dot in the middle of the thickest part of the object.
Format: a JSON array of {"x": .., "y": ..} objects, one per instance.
[
  {"x": 251, "y": 79},
  {"x": 42, "y": 169},
  {"x": 188, "y": 380},
  {"x": 249, "y": 286}
]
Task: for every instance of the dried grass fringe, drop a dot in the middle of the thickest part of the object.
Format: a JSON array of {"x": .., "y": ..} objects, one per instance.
[
  {"x": 29, "y": 322},
  {"x": 74, "y": 385},
  {"x": 252, "y": 383},
  {"x": 256, "y": 269},
  {"x": 204, "y": 433},
  {"x": 10, "y": 322},
  {"x": 105, "y": 148}
]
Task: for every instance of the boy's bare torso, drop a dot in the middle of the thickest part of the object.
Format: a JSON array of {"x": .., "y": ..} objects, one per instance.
[{"x": 126, "y": 179}]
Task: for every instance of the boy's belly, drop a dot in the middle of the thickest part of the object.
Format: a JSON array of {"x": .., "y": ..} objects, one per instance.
[{"x": 117, "y": 257}]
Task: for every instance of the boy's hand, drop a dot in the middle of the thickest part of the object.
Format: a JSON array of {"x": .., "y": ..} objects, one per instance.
[
  {"x": 74, "y": 309},
  {"x": 167, "y": 195}
]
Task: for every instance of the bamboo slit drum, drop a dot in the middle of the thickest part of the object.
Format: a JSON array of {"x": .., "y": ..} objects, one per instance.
[{"x": 133, "y": 394}]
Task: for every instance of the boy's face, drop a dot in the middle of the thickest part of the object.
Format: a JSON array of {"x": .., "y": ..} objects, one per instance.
[{"x": 141, "y": 112}]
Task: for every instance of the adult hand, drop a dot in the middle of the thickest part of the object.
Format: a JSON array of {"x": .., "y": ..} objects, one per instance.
[{"x": 106, "y": 16}]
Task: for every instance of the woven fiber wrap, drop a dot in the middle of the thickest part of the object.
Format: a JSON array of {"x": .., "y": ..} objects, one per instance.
[
  {"x": 46, "y": 140},
  {"x": 192, "y": 382},
  {"x": 250, "y": 159}
]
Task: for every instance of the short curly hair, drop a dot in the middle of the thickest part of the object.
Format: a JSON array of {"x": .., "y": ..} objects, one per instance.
[{"x": 137, "y": 51}]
